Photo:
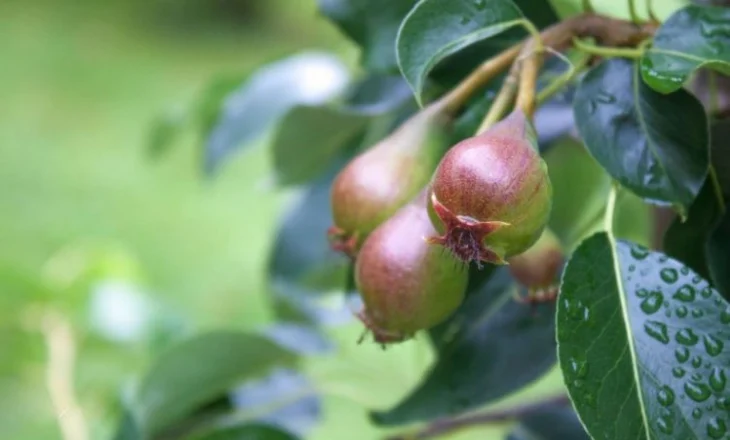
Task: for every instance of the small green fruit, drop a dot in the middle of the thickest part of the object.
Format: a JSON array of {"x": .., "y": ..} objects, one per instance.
[
  {"x": 491, "y": 194},
  {"x": 539, "y": 267},
  {"x": 406, "y": 284}
]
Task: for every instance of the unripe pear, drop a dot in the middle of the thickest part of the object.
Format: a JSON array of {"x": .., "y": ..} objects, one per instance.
[
  {"x": 374, "y": 185},
  {"x": 538, "y": 267},
  {"x": 406, "y": 284},
  {"x": 491, "y": 194}
]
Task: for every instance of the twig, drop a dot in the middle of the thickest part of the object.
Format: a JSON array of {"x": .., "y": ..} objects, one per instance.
[
  {"x": 504, "y": 98},
  {"x": 445, "y": 426},
  {"x": 58, "y": 335}
]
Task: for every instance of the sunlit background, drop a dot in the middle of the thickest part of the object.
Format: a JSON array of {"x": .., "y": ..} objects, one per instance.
[{"x": 137, "y": 250}]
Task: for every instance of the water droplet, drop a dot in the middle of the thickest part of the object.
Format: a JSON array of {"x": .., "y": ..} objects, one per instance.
[
  {"x": 678, "y": 372},
  {"x": 697, "y": 362},
  {"x": 577, "y": 310},
  {"x": 713, "y": 346},
  {"x": 685, "y": 293},
  {"x": 725, "y": 316},
  {"x": 696, "y": 377},
  {"x": 578, "y": 383},
  {"x": 669, "y": 275},
  {"x": 718, "y": 380},
  {"x": 665, "y": 425},
  {"x": 681, "y": 311},
  {"x": 579, "y": 367},
  {"x": 698, "y": 392},
  {"x": 589, "y": 399},
  {"x": 697, "y": 313},
  {"x": 665, "y": 397},
  {"x": 696, "y": 279},
  {"x": 639, "y": 252},
  {"x": 605, "y": 97},
  {"x": 480, "y": 4},
  {"x": 706, "y": 292},
  {"x": 716, "y": 428},
  {"x": 652, "y": 303},
  {"x": 684, "y": 270},
  {"x": 682, "y": 354},
  {"x": 464, "y": 20},
  {"x": 662, "y": 258},
  {"x": 696, "y": 413},
  {"x": 642, "y": 293},
  {"x": 723, "y": 403},
  {"x": 657, "y": 330},
  {"x": 686, "y": 336},
  {"x": 718, "y": 302}
]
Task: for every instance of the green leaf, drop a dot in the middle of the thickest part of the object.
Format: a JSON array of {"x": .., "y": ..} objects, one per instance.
[
  {"x": 164, "y": 131},
  {"x": 372, "y": 24},
  {"x": 718, "y": 255},
  {"x": 643, "y": 344},
  {"x": 377, "y": 94},
  {"x": 656, "y": 145},
  {"x": 309, "y": 139},
  {"x": 551, "y": 423},
  {"x": 234, "y": 118},
  {"x": 693, "y": 37},
  {"x": 492, "y": 346},
  {"x": 435, "y": 29},
  {"x": 197, "y": 371},
  {"x": 304, "y": 272},
  {"x": 245, "y": 432}
]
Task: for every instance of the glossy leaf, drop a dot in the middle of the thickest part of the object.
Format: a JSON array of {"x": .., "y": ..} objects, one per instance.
[
  {"x": 656, "y": 145},
  {"x": 248, "y": 431},
  {"x": 554, "y": 423},
  {"x": 197, "y": 371},
  {"x": 435, "y": 29},
  {"x": 309, "y": 139},
  {"x": 246, "y": 113},
  {"x": 307, "y": 277},
  {"x": 372, "y": 24},
  {"x": 492, "y": 346},
  {"x": 643, "y": 344},
  {"x": 718, "y": 250},
  {"x": 284, "y": 398},
  {"x": 693, "y": 37}
]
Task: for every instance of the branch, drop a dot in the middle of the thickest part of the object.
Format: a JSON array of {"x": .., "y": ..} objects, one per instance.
[
  {"x": 58, "y": 336},
  {"x": 445, "y": 426}
]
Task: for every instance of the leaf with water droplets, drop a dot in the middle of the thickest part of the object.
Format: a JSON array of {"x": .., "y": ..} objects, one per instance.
[
  {"x": 655, "y": 145},
  {"x": 693, "y": 37},
  {"x": 436, "y": 29},
  {"x": 658, "y": 376},
  {"x": 491, "y": 347}
]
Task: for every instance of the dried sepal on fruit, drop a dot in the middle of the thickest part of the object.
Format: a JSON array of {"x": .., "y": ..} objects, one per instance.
[{"x": 491, "y": 194}]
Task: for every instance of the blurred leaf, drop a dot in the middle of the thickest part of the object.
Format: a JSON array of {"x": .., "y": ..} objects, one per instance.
[
  {"x": 197, "y": 371},
  {"x": 246, "y": 113},
  {"x": 435, "y": 29},
  {"x": 693, "y": 37},
  {"x": 299, "y": 338},
  {"x": 372, "y": 24},
  {"x": 656, "y": 145},
  {"x": 309, "y": 139},
  {"x": 641, "y": 343},
  {"x": 492, "y": 346},
  {"x": 285, "y": 399},
  {"x": 304, "y": 272},
  {"x": 164, "y": 131},
  {"x": 247, "y": 431},
  {"x": 554, "y": 423},
  {"x": 377, "y": 93}
]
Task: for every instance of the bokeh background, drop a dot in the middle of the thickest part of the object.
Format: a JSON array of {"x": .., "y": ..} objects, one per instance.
[{"x": 135, "y": 251}]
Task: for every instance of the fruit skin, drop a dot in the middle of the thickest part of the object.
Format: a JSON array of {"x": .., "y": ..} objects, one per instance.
[
  {"x": 491, "y": 194},
  {"x": 538, "y": 268},
  {"x": 406, "y": 284},
  {"x": 374, "y": 185}
]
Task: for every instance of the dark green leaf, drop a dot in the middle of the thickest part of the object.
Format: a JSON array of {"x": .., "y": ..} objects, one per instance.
[
  {"x": 718, "y": 252},
  {"x": 693, "y": 37},
  {"x": 197, "y": 371},
  {"x": 656, "y": 145},
  {"x": 554, "y": 423},
  {"x": 435, "y": 29},
  {"x": 246, "y": 432},
  {"x": 164, "y": 132},
  {"x": 491, "y": 347},
  {"x": 372, "y": 24},
  {"x": 643, "y": 344},
  {"x": 237, "y": 117},
  {"x": 303, "y": 269},
  {"x": 309, "y": 139}
]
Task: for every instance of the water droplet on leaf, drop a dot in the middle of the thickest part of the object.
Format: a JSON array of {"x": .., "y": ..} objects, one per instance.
[
  {"x": 718, "y": 380},
  {"x": 652, "y": 303},
  {"x": 669, "y": 275},
  {"x": 678, "y": 372},
  {"x": 665, "y": 425},
  {"x": 665, "y": 397},
  {"x": 685, "y": 293},
  {"x": 686, "y": 336},
  {"x": 681, "y": 311},
  {"x": 682, "y": 354},
  {"x": 657, "y": 330},
  {"x": 716, "y": 428},
  {"x": 713, "y": 346},
  {"x": 698, "y": 392}
]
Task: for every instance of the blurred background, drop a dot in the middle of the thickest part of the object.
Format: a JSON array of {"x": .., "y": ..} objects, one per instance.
[{"x": 132, "y": 252}]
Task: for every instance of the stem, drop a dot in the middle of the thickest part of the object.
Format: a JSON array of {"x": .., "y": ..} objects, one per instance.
[
  {"x": 718, "y": 188},
  {"x": 587, "y": 6},
  {"x": 650, "y": 10},
  {"x": 503, "y": 100},
  {"x": 632, "y": 11},
  {"x": 610, "y": 209},
  {"x": 446, "y": 426},
  {"x": 58, "y": 335},
  {"x": 563, "y": 79},
  {"x": 623, "y": 52}
]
